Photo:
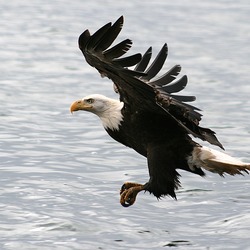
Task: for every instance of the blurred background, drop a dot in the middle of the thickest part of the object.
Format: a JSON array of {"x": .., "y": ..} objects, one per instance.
[{"x": 61, "y": 174}]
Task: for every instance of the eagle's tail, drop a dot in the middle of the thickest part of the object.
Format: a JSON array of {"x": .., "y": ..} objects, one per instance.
[{"x": 216, "y": 162}]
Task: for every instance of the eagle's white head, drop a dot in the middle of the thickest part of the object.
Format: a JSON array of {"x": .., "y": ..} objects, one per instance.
[{"x": 109, "y": 110}]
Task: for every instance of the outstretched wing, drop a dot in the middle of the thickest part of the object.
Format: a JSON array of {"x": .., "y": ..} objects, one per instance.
[{"x": 138, "y": 87}]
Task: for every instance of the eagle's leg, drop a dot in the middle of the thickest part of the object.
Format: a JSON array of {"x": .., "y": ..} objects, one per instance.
[{"x": 129, "y": 191}]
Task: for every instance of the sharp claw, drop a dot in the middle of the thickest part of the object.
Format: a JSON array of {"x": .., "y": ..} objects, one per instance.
[
  {"x": 126, "y": 204},
  {"x": 123, "y": 188},
  {"x": 129, "y": 192},
  {"x": 126, "y": 199}
]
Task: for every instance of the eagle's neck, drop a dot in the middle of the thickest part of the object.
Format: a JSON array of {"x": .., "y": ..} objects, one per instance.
[{"x": 111, "y": 116}]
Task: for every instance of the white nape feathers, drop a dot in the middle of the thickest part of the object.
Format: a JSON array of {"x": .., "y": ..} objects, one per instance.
[{"x": 109, "y": 110}]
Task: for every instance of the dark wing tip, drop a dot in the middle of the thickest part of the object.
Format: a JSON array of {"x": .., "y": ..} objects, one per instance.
[
  {"x": 118, "y": 50},
  {"x": 157, "y": 64},
  {"x": 142, "y": 65},
  {"x": 109, "y": 35},
  {"x": 83, "y": 39},
  {"x": 102, "y": 38},
  {"x": 176, "y": 86},
  {"x": 128, "y": 61},
  {"x": 168, "y": 77}
]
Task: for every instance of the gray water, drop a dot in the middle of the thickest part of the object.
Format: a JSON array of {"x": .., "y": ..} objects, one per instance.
[{"x": 61, "y": 174}]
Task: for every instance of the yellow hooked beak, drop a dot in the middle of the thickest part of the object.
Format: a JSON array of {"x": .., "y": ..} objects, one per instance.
[{"x": 80, "y": 105}]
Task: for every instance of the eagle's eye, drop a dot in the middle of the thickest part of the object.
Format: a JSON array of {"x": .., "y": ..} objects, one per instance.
[{"x": 90, "y": 100}]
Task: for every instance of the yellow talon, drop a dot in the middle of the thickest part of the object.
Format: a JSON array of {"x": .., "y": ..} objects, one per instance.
[{"x": 129, "y": 192}]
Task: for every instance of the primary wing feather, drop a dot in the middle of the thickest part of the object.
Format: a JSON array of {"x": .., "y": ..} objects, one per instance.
[
  {"x": 138, "y": 88},
  {"x": 142, "y": 65},
  {"x": 157, "y": 64},
  {"x": 168, "y": 77},
  {"x": 118, "y": 50}
]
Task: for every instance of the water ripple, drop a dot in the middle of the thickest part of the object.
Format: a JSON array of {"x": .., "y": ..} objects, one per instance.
[{"x": 61, "y": 174}]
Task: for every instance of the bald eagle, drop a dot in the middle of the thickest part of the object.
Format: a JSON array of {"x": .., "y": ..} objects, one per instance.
[{"x": 150, "y": 117}]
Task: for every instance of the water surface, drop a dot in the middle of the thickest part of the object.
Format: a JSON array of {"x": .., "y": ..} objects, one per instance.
[{"x": 61, "y": 174}]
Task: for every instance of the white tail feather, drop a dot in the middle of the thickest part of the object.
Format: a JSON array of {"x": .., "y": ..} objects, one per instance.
[{"x": 215, "y": 161}]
